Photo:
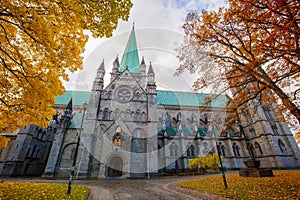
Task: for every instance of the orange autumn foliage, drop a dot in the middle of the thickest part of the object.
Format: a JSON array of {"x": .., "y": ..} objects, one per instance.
[{"x": 250, "y": 50}]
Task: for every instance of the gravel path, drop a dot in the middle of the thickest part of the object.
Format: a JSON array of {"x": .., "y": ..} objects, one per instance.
[{"x": 137, "y": 189}]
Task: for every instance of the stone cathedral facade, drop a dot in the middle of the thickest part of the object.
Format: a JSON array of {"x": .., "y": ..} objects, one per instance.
[{"x": 129, "y": 129}]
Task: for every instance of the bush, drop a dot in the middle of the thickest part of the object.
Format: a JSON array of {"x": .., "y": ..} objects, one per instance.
[{"x": 203, "y": 163}]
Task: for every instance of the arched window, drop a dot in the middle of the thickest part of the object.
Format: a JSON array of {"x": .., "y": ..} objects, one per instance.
[
  {"x": 106, "y": 114},
  {"x": 159, "y": 150},
  {"x": 282, "y": 146},
  {"x": 138, "y": 116},
  {"x": 117, "y": 141},
  {"x": 37, "y": 155},
  {"x": 72, "y": 157},
  {"x": 188, "y": 152},
  {"x": 117, "y": 114},
  {"x": 176, "y": 150},
  {"x": 118, "y": 129},
  {"x": 192, "y": 150},
  {"x": 144, "y": 117},
  {"x": 236, "y": 150},
  {"x": 251, "y": 150},
  {"x": 127, "y": 116},
  {"x": 28, "y": 152},
  {"x": 33, "y": 151},
  {"x": 100, "y": 115},
  {"x": 221, "y": 149},
  {"x": 171, "y": 148},
  {"x": 258, "y": 148}
]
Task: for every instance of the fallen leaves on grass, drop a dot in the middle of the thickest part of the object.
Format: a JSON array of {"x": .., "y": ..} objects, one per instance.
[
  {"x": 284, "y": 185},
  {"x": 28, "y": 190}
]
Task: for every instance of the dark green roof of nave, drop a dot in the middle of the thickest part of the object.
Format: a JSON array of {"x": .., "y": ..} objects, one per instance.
[{"x": 173, "y": 98}]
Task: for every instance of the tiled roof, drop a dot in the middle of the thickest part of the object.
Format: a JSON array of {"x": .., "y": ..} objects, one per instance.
[
  {"x": 78, "y": 98},
  {"x": 173, "y": 98},
  {"x": 188, "y": 99}
]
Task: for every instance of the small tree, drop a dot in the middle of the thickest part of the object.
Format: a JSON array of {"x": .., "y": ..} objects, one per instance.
[{"x": 205, "y": 162}]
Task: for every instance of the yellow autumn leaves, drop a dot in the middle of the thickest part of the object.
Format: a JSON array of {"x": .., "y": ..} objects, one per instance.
[
  {"x": 284, "y": 185},
  {"x": 28, "y": 190},
  {"x": 40, "y": 42},
  {"x": 210, "y": 161}
]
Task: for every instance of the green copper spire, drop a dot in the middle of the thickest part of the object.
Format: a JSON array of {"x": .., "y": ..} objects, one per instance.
[{"x": 130, "y": 57}]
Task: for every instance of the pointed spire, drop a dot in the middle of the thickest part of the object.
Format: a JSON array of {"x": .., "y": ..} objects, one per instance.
[
  {"x": 130, "y": 57},
  {"x": 150, "y": 70},
  {"x": 101, "y": 67},
  {"x": 70, "y": 105},
  {"x": 69, "y": 109},
  {"x": 143, "y": 61},
  {"x": 116, "y": 62}
]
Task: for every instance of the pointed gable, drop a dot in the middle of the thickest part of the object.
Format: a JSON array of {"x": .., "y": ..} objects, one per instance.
[
  {"x": 130, "y": 58},
  {"x": 70, "y": 105}
]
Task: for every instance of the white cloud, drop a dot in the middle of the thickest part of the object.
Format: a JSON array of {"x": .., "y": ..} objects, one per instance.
[{"x": 158, "y": 31}]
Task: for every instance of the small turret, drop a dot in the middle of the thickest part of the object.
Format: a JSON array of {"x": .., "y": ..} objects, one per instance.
[
  {"x": 115, "y": 70},
  {"x": 151, "y": 85},
  {"x": 143, "y": 73},
  {"x": 151, "y": 76},
  {"x": 99, "y": 80}
]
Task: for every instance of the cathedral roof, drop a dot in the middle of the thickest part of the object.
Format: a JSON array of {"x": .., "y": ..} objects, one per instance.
[
  {"x": 176, "y": 98},
  {"x": 173, "y": 98},
  {"x": 130, "y": 58},
  {"x": 78, "y": 98}
]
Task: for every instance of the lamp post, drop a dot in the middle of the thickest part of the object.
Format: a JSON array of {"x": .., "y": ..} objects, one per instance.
[
  {"x": 219, "y": 125},
  {"x": 222, "y": 168},
  {"x": 76, "y": 151}
]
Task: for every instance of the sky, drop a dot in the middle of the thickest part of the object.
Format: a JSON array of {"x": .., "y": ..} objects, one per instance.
[{"x": 158, "y": 28}]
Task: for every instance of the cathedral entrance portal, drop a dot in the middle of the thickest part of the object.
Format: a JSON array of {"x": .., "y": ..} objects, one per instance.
[{"x": 115, "y": 167}]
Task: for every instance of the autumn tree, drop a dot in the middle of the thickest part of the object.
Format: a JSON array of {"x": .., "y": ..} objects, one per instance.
[
  {"x": 39, "y": 42},
  {"x": 250, "y": 50},
  {"x": 204, "y": 162}
]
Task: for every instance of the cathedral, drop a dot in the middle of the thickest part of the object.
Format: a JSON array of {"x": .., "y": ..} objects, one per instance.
[{"x": 130, "y": 129}]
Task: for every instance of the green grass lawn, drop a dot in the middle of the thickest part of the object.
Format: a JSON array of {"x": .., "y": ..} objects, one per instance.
[
  {"x": 28, "y": 190},
  {"x": 284, "y": 185}
]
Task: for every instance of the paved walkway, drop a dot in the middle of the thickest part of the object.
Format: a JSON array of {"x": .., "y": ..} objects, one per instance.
[{"x": 135, "y": 189}]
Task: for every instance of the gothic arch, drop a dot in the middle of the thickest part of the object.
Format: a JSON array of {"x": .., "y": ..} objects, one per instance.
[
  {"x": 115, "y": 166},
  {"x": 236, "y": 150},
  {"x": 116, "y": 114},
  {"x": 138, "y": 116},
  {"x": 190, "y": 150},
  {"x": 258, "y": 148},
  {"x": 67, "y": 155},
  {"x": 221, "y": 149},
  {"x": 282, "y": 146}
]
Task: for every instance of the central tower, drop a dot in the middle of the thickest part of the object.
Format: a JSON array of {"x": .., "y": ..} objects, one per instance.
[{"x": 119, "y": 133}]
